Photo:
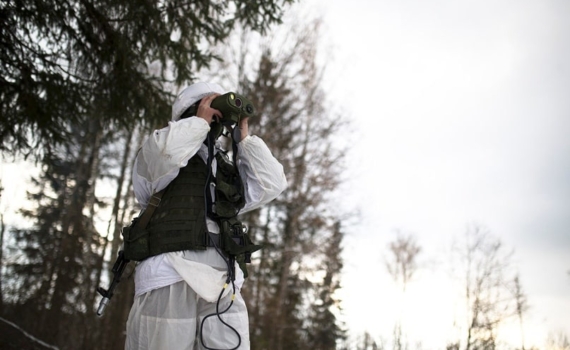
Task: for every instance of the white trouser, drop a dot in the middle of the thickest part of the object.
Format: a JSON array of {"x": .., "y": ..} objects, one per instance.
[{"x": 171, "y": 318}]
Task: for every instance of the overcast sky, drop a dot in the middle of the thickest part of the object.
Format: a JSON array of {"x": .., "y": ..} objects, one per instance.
[{"x": 461, "y": 111}]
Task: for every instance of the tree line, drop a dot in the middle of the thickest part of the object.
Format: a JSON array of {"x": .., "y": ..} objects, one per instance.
[
  {"x": 84, "y": 82},
  {"x": 486, "y": 284}
]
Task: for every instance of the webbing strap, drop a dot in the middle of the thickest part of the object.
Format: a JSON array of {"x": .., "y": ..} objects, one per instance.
[{"x": 153, "y": 203}]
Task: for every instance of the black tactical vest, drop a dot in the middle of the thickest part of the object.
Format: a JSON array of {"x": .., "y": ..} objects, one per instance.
[{"x": 178, "y": 221}]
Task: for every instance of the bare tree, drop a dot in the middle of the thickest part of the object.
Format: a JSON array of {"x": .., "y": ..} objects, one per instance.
[
  {"x": 486, "y": 266},
  {"x": 290, "y": 290},
  {"x": 402, "y": 264}
]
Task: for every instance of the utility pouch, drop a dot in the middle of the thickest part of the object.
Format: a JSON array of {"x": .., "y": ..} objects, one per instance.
[
  {"x": 229, "y": 188},
  {"x": 135, "y": 241}
]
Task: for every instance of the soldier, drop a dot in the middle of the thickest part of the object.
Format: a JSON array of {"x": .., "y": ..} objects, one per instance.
[{"x": 194, "y": 237}]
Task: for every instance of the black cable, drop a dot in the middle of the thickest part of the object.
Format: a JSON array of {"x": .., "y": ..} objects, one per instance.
[
  {"x": 231, "y": 277},
  {"x": 219, "y": 315}
]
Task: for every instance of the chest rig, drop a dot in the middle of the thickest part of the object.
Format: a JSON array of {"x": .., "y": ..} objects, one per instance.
[{"x": 178, "y": 222}]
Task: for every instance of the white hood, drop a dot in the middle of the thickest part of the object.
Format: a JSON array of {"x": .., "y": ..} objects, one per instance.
[{"x": 191, "y": 95}]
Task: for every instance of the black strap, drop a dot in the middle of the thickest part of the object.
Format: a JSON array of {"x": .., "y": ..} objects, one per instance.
[
  {"x": 153, "y": 203},
  {"x": 209, "y": 201}
]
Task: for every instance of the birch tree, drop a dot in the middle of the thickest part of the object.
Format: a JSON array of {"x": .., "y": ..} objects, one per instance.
[{"x": 487, "y": 287}]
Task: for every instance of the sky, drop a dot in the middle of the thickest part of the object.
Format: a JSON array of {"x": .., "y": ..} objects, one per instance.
[{"x": 460, "y": 113}]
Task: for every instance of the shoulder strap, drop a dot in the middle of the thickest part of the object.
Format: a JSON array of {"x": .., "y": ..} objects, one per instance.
[{"x": 154, "y": 201}]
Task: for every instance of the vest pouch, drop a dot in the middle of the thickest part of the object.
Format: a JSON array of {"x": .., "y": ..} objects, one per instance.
[
  {"x": 135, "y": 242},
  {"x": 229, "y": 186},
  {"x": 225, "y": 209},
  {"x": 230, "y": 192}
]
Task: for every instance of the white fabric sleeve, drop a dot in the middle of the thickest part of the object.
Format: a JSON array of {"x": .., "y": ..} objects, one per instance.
[
  {"x": 261, "y": 173},
  {"x": 164, "y": 153}
]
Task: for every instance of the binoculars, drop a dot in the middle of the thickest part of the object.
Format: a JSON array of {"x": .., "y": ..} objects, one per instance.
[{"x": 233, "y": 107}]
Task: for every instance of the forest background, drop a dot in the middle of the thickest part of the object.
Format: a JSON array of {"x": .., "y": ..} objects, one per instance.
[{"x": 84, "y": 83}]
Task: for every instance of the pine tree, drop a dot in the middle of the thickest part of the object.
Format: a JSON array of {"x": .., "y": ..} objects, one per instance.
[
  {"x": 60, "y": 60},
  {"x": 62, "y": 256},
  {"x": 324, "y": 331},
  {"x": 53, "y": 278}
]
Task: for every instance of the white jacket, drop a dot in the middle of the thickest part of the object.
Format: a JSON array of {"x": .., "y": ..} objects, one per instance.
[{"x": 159, "y": 162}]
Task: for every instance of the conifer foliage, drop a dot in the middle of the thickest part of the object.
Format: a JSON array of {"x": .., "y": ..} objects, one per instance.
[
  {"x": 61, "y": 60},
  {"x": 54, "y": 273}
]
